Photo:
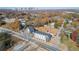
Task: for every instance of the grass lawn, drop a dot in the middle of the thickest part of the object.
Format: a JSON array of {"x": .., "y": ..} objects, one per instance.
[{"x": 70, "y": 44}]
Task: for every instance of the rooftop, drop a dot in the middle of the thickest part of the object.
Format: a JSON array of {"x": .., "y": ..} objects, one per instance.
[{"x": 47, "y": 29}]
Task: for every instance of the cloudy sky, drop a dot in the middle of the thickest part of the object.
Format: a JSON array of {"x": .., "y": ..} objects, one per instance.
[{"x": 41, "y": 7}]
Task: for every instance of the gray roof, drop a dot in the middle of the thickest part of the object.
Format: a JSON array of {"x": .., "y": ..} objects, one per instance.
[{"x": 33, "y": 30}]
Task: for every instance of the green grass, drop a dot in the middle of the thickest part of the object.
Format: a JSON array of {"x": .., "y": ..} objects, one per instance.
[{"x": 71, "y": 45}]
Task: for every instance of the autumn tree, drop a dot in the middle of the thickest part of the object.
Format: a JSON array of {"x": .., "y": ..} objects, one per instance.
[{"x": 5, "y": 40}]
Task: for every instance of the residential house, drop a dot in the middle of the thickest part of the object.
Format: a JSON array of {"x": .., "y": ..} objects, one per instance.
[
  {"x": 22, "y": 23},
  {"x": 40, "y": 35}
]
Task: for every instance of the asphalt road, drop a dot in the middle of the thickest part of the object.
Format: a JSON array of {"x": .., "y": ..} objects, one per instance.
[
  {"x": 26, "y": 36},
  {"x": 45, "y": 46}
]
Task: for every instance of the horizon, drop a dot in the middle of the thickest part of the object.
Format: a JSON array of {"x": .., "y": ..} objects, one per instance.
[{"x": 40, "y": 8}]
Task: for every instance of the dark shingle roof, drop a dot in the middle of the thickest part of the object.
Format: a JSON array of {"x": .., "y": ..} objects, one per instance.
[{"x": 33, "y": 30}]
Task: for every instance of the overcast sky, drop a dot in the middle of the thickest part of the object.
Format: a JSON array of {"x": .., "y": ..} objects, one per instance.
[{"x": 41, "y": 7}]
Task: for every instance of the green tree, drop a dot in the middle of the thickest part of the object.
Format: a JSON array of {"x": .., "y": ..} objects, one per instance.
[
  {"x": 57, "y": 24},
  {"x": 75, "y": 23},
  {"x": 5, "y": 40},
  {"x": 77, "y": 40}
]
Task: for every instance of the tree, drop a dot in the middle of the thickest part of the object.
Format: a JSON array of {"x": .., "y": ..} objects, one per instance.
[
  {"x": 5, "y": 40},
  {"x": 2, "y": 23},
  {"x": 14, "y": 25},
  {"x": 58, "y": 24},
  {"x": 75, "y": 23},
  {"x": 77, "y": 39}
]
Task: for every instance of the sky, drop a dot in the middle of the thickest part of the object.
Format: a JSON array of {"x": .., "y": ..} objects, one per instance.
[{"x": 41, "y": 7}]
